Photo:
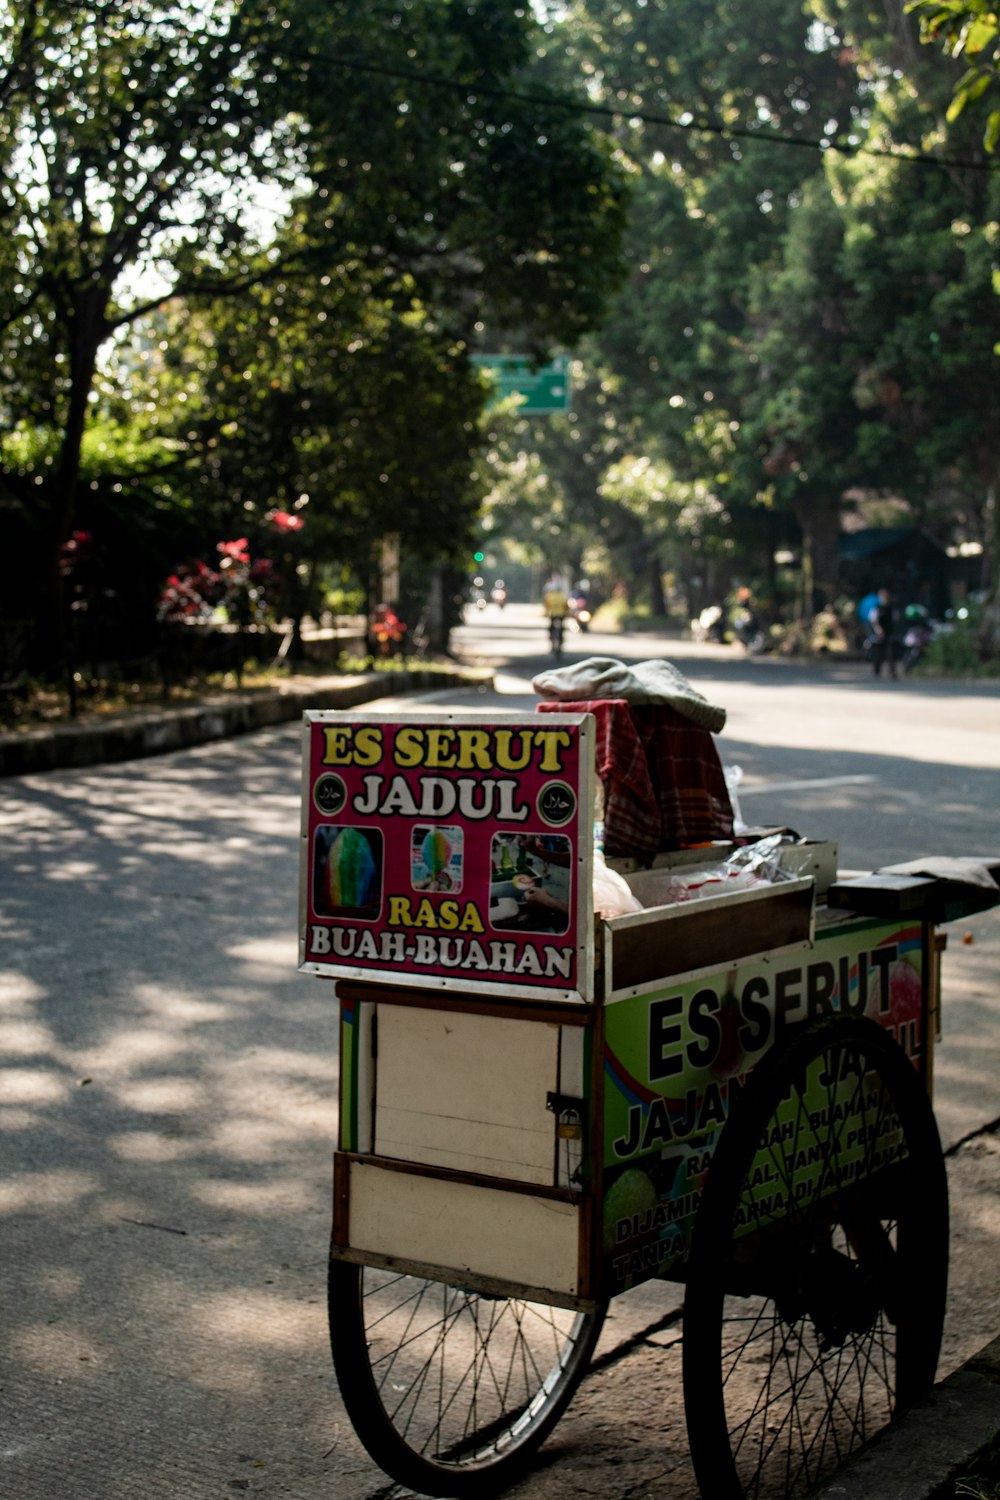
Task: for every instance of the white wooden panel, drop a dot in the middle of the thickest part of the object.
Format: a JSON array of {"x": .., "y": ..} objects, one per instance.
[
  {"x": 466, "y": 1092},
  {"x": 530, "y": 1241},
  {"x": 366, "y": 1075},
  {"x": 571, "y": 1047},
  {"x": 572, "y": 1060}
]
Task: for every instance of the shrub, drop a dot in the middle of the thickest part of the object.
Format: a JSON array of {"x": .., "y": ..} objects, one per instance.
[{"x": 959, "y": 652}]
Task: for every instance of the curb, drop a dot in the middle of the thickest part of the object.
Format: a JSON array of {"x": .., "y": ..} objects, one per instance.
[
  {"x": 133, "y": 736},
  {"x": 920, "y": 1456}
]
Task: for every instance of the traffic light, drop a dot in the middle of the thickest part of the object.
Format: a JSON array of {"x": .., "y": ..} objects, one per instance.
[{"x": 478, "y": 556}]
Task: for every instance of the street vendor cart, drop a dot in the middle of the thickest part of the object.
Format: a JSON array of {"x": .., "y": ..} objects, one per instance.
[{"x": 542, "y": 1107}]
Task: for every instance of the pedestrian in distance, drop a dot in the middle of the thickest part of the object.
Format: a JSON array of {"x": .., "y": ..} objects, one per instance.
[{"x": 883, "y": 627}]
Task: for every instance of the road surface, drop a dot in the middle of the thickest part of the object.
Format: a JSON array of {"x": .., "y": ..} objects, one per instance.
[{"x": 167, "y": 1099}]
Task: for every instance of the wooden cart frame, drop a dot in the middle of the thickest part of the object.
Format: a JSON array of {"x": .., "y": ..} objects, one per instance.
[{"x": 731, "y": 1093}]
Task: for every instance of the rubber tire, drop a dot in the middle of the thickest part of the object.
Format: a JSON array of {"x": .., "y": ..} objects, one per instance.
[
  {"x": 389, "y": 1428},
  {"x": 826, "y": 1403}
]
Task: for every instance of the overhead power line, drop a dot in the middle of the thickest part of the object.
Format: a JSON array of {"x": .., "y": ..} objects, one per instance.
[{"x": 684, "y": 122}]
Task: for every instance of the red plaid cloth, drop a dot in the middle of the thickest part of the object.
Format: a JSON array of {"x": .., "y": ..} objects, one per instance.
[{"x": 664, "y": 786}]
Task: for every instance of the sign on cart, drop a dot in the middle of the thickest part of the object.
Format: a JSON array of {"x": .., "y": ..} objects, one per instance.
[{"x": 451, "y": 852}]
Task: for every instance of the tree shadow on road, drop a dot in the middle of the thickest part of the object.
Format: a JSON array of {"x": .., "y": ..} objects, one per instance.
[{"x": 168, "y": 1116}]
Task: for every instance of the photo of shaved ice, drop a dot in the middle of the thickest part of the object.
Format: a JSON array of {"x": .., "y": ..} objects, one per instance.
[
  {"x": 436, "y": 858},
  {"x": 347, "y": 872}
]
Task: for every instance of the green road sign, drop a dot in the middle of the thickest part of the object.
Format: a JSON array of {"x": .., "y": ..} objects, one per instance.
[{"x": 541, "y": 388}]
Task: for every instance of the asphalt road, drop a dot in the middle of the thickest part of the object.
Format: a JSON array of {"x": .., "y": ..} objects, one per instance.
[
  {"x": 167, "y": 1099},
  {"x": 889, "y": 770}
]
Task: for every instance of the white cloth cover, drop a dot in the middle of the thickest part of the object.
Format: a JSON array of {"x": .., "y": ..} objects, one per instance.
[
  {"x": 945, "y": 867},
  {"x": 656, "y": 681}
]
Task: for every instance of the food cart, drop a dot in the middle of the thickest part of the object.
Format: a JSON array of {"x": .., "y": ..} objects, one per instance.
[{"x": 541, "y": 1108}]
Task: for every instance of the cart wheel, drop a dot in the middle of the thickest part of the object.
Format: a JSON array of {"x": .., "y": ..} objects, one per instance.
[
  {"x": 819, "y": 1262},
  {"x": 451, "y": 1390}
]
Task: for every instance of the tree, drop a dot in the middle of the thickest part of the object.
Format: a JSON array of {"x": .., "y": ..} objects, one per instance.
[
  {"x": 883, "y": 293},
  {"x": 363, "y": 425},
  {"x": 119, "y": 138},
  {"x": 968, "y": 29},
  {"x": 150, "y": 159},
  {"x": 435, "y": 151},
  {"x": 702, "y": 93},
  {"x": 807, "y": 312}
]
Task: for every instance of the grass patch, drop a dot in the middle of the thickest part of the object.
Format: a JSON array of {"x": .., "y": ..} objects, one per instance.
[
  {"x": 982, "y": 1482},
  {"x": 617, "y": 615},
  {"x": 39, "y": 705}
]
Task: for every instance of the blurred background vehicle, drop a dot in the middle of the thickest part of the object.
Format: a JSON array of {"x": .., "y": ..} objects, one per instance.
[{"x": 579, "y": 605}]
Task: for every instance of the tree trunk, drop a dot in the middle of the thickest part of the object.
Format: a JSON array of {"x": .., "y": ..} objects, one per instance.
[
  {"x": 989, "y": 625},
  {"x": 805, "y": 597},
  {"x": 819, "y": 519},
  {"x": 437, "y": 629},
  {"x": 657, "y": 598},
  {"x": 86, "y": 330}
]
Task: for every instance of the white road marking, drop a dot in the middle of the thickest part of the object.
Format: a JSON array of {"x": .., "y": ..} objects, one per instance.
[{"x": 796, "y": 786}]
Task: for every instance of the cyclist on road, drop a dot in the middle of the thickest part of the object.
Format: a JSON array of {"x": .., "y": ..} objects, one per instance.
[{"x": 556, "y": 606}]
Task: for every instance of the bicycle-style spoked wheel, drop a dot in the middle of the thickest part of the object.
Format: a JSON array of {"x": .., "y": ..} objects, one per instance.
[
  {"x": 816, "y": 1290},
  {"x": 451, "y": 1390}
]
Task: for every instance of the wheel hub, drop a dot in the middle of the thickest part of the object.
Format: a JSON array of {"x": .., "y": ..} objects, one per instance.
[{"x": 837, "y": 1296}]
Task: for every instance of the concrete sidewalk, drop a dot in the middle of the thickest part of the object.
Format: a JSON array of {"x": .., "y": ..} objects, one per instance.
[{"x": 921, "y": 1456}]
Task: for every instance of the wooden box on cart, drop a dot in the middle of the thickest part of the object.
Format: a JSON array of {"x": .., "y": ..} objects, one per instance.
[{"x": 504, "y": 1086}]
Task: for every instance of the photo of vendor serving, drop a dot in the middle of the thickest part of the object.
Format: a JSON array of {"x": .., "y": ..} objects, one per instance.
[{"x": 530, "y": 882}]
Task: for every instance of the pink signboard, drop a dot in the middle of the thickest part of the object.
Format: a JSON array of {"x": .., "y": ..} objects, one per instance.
[{"x": 452, "y": 851}]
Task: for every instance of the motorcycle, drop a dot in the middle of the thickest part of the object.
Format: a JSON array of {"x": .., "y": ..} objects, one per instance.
[
  {"x": 920, "y": 631},
  {"x": 580, "y": 612},
  {"x": 748, "y": 631},
  {"x": 710, "y": 625}
]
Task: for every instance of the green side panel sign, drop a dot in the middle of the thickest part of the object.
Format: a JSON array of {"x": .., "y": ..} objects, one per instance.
[
  {"x": 677, "y": 1056},
  {"x": 540, "y": 389}
]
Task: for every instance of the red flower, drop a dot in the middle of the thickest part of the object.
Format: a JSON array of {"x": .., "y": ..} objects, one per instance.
[
  {"x": 75, "y": 549},
  {"x": 236, "y": 550},
  {"x": 283, "y": 520},
  {"x": 387, "y": 626}
]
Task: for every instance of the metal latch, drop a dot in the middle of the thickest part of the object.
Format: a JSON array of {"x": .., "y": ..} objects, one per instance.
[{"x": 569, "y": 1113}]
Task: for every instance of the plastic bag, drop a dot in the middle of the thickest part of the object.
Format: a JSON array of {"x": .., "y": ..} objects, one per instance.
[
  {"x": 612, "y": 897},
  {"x": 734, "y": 775},
  {"x": 752, "y": 865}
]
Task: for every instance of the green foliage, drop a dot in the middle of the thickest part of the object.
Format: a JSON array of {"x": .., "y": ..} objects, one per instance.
[
  {"x": 301, "y": 212},
  {"x": 249, "y": 247},
  {"x": 959, "y": 651},
  {"x": 344, "y": 601},
  {"x": 361, "y": 420},
  {"x": 968, "y": 30},
  {"x": 982, "y": 1482},
  {"x": 677, "y": 358},
  {"x": 801, "y": 330}
]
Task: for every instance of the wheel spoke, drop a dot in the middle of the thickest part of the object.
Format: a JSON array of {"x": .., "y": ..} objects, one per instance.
[
  {"x": 458, "y": 1383},
  {"x": 801, "y": 1281}
]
